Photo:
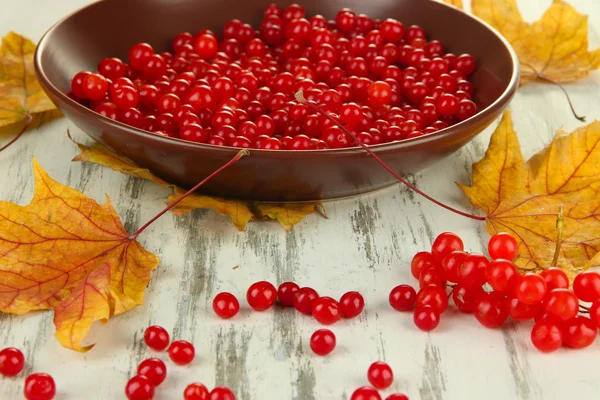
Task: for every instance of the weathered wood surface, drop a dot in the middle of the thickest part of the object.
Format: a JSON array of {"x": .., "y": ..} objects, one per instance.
[{"x": 366, "y": 245}]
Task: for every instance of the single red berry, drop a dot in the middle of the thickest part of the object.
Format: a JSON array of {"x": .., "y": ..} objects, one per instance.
[
  {"x": 579, "y": 332},
  {"x": 586, "y": 286},
  {"x": 555, "y": 278},
  {"x": 465, "y": 64},
  {"x": 464, "y": 297},
  {"x": 226, "y": 305},
  {"x": 112, "y": 68},
  {"x": 546, "y": 336},
  {"x": 403, "y": 298},
  {"x": 206, "y": 46},
  {"x": 434, "y": 296},
  {"x": 326, "y": 310},
  {"x": 471, "y": 272},
  {"x": 450, "y": 265},
  {"x": 221, "y": 393},
  {"x": 322, "y": 342},
  {"x": 380, "y": 375},
  {"x": 139, "y": 388},
  {"x": 77, "y": 84},
  {"x": 12, "y": 361},
  {"x": 445, "y": 244},
  {"x": 491, "y": 309},
  {"x": 531, "y": 289},
  {"x": 94, "y": 87},
  {"x": 261, "y": 295},
  {"x": 502, "y": 275},
  {"x": 138, "y": 55},
  {"x": 561, "y": 305},
  {"x": 286, "y": 292},
  {"x": 503, "y": 245},
  {"x": 520, "y": 311},
  {"x": 304, "y": 298},
  {"x": 466, "y": 109},
  {"x": 39, "y": 386},
  {"x": 156, "y": 337},
  {"x": 426, "y": 318},
  {"x": 196, "y": 391},
  {"x": 352, "y": 304},
  {"x": 153, "y": 369},
  {"x": 380, "y": 93},
  {"x": 392, "y": 30},
  {"x": 420, "y": 261},
  {"x": 365, "y": 393},
  {"x": 181, "y": 352}
]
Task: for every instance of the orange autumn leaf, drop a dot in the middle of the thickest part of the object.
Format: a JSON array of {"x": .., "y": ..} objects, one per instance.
[
  {"x": 240, "y": 212},
  {"x": 455, "y": 3},
  {"x": 553, "y": 48},
  {"x": 64, "y": 251},
  {"x": 523, "y": 198},
  {"x": 21, "y": 96}
]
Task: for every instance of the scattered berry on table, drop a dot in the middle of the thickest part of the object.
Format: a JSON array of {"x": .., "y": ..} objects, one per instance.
[
  {"x": 40, "y": 386},
  {"x": 261, "y": 295},
  {"x": 380, "y": 375},
  {"x": 139, "y": 388},
  {"x": 352, "y": 304},
  {"x": 226, "y": 305},
  {"x": 181, "y": 352},
  {"x": 153, "y": 369},
  {"x": 326, "y": 310},
  {"x": 322, "y": 342},
  {"x": 12, "y": 361},
  {"x": 156, "y": 337},
  {"x": 196, "y": 391}
]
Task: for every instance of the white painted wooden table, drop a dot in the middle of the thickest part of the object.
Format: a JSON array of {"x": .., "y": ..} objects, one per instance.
[{"x": 366, "y": 245}]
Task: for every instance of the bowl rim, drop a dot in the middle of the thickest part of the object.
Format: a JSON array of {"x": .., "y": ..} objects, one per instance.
[{"x": 450, "y": 131}]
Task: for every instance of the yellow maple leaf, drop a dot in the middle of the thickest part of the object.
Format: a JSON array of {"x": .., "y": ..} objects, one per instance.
[
  {"x": 21, "y": 96},
  {"x": 455, "y": 3},
  {"x": 64, "y": 251},
  {"x": 524, "y": 198},
  {"x": 240, "y": 212},
  {"x": 554, "y": 48}
]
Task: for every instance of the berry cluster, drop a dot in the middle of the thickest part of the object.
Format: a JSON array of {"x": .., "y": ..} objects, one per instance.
[
  {"x": 153, "y": 371},
  {"x": 262, "y": 295},
  {"x": 546, "y": 297},
  {"x": 38, "y": 386},
  {"x": 381, "y": 376},
  {"x": 379, "y": 79}
]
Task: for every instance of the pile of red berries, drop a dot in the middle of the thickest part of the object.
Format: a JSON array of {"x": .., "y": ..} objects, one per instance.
[
  {"x": 381, "y": 376},
  {"x": 379, "y": 79},
  {"x": 153, "y": 371},
  {"x": 38, "y": 386},
  {"x": 262, "y": 295},
  {"x": 546, "y": 297}
]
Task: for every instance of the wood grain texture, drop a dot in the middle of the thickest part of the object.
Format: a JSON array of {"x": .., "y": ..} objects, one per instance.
[{"x": 365, "y": 245}]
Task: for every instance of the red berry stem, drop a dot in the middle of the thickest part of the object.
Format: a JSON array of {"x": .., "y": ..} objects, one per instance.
[
  {"x": 27, "y": 123},
  {"x": 239, "y": 155},
  {"x": 301, "y": 99}
]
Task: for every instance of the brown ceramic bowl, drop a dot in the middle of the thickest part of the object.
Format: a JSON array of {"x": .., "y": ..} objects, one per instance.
[{"x": 108, "y": 28}]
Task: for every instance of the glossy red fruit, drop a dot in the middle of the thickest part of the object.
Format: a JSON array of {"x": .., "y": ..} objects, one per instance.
[
  {"x": 555, "y": 278},
  {"x": 206, "y": 46},
  {"x": 261, "y": 295},
  {"x": 226, "y": 305},
  {"x": 464, "y": 297},
  {"x": 520, "y": 311},
  {"x": 403, "y": 298},
  {"x": 326, "y": 310},
  {"x": 546, "y": 336},
  {"x": 561, "y": 305},
  {"x": 380, "y": 93},
  {"x": 196, "y": 391},
  {"x": 221, "y": 393},
  {"x": 531, "y": 288},
  {"x": 471, "y": 272},
  {"x": 397, "y": 396},
  {"x": 39, "y": 386},
  {"x": 156, "y": 337},
  {"x": 12, "y": 361},
  {"x": 450, "y": 265},
  {"x": 426, "y": 318},
  {"x": 445, "y": 244},
  {"x": 352, "y": 304},
  {"x": 303, "y": 300},
  {"x": 153, "y": 369},
  {"x": 380, "y": 375},
  {"x": 286, "y": 292},
  {"x": 503, "y": 245},
  {"x": 434, "y": 296},
  {"x": 94, "y": 87},
  {"x": 139, "y": 388},
  {"x": 138, "y": 55},
  {"x": 322, "y": 342},
  {"x": 365, "y": 393},
  {"x": 491, "y": 309},
  {"x": 579, "y": 332},
  {"x": 586, "y": 286},
  {"x": 502, "y": 275},
  {"x": 181, "y": 352},
  {"x": 420, "y": 261},
  {"x": 432, "y": 276}
]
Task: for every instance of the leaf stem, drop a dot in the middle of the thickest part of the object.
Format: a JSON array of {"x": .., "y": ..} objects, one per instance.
[
  {"x": 543, "y": 78},
  {"x": 559, "y": 228},
  {"x": 301, "y": 99},
  {"x": 239, "y": 155},
  {"x": 27, "y": 123}
]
